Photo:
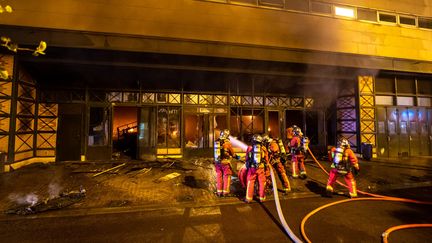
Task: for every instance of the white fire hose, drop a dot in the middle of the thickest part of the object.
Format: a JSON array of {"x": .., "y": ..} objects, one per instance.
[{"x": 279, "y": 209}]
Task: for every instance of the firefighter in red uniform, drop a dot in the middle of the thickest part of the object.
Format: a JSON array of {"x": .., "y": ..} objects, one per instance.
[
  {"x": 256, "y": 163},
  {"x": 223, "y": 156},
  {"x": 344, "y": 162},
  {"x": 298, "y": 146},
  {"x": 277, "y": 155}
]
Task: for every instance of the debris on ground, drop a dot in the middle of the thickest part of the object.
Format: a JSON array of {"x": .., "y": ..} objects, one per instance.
[
  {"x": 110, "y": 169},
  {"x": 142, "y": 171},
  {"x": 65, "y": 199},
  {"x": 167, "y": 165},
  {"x": 167, "y": 177}
]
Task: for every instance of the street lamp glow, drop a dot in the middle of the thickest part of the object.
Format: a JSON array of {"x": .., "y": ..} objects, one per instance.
[{"x": 344, "y": 12}]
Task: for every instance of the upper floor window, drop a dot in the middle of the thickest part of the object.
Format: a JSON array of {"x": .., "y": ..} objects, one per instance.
[
  {"x": 346, "y": 12},
  {"x": 407, "y": 20},
  {"x": 367, "y": 14},
  {"x": 387, "y": 17},
  {"x": 425, "y": 23}
]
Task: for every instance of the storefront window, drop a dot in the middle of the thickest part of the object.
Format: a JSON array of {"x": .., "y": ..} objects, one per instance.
[{"x": 168, "y": 124}]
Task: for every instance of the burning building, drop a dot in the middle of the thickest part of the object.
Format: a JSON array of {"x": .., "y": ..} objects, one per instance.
[{"x": 161, "y": 78}]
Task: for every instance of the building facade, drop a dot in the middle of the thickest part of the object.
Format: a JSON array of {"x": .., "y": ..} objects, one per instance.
[{"x": 161, "y": 78}]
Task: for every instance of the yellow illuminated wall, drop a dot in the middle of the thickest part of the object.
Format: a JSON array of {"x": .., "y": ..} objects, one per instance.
[{"x": 249, "y": 28}]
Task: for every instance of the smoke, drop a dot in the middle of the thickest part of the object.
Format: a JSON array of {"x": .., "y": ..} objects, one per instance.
[
  {"x": 32, "y": 198},
  {"x": 24, "y": 199},
  {"x": 54, "y": 190}
]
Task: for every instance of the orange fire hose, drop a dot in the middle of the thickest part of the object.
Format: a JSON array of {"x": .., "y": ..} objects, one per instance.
[
  {"x": 399, "y": 227},
  {"x": 351, "y": 200},
  {"x": 374, "y": 197}
]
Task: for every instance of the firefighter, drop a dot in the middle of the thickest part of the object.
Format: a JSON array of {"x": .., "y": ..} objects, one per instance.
[
  {"x": 298, "y": 146},
  {"x": 223, "y": 155},
  {"x": 277, "y": 155},
  {"x": 344, "y": 162},
  {"x": 256, "y": 163}
]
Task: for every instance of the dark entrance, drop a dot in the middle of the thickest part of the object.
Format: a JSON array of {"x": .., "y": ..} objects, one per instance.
[
  {"x": 125, "y": 130},
  {"x": 294, "y": 117},
  {"x": 69, "y": 135}
]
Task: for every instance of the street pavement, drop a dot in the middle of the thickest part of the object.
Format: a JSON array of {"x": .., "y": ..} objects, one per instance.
[{"x": 142, "y": 186}]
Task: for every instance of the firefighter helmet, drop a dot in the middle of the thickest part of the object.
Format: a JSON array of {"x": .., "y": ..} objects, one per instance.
[
  {"x": 297, "y": 131},
  {"x": 343, "y": 142},
  {"x": 224, "y": 134},
  {"x": 257, "y": 138},
  {"x": 266, "y": 139}
]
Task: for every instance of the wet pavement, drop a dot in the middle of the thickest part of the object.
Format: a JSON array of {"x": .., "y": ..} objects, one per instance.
[
  {"x": 172, "y": 182},
  {"x": 140, "y": 189}
]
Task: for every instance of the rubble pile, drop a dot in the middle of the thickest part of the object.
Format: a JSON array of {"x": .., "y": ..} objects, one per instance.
[{"x": 63, "y": 200}]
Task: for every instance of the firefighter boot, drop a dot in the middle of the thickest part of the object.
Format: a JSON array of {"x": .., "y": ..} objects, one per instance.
[
  {"x": 303, "y": 175},
  {"x": 329, "y": 191}
]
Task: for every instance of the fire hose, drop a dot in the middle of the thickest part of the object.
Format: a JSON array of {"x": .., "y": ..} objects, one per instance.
[
  {"x": 279, "y": 209},
  {"x": 399, "y": 227},
  {"x": 374, "y": 197}
]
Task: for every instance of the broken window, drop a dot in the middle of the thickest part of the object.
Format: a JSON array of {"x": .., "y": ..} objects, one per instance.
[{"x": 98, "y": 126}]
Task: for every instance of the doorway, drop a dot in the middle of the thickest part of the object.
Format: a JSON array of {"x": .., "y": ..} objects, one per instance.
[
  {"x": 70, "y": 132},
  {"x": 294, "y": 117},
  {"x": 124, "y": 132},
  {"x": 201, "y": 128},
  {"x": 403, "y": 132},
  {"x": 168, "y": 134}
]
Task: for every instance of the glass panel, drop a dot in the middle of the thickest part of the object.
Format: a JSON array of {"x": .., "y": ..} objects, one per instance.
[
  {"x": 424, "y": 86},
  {"x": 319, "y": 7},
  {"x": 384, "y": 100},
  {"x": 367, "y": 14},
  {"x": 387, "y": 18},
  {"x": 425, "y": 23},
  {"x": 148, "y": 98},
  {"x": 220, "y": 100},
  {"x": 252, "y": 122},
  {"x": 424, "y": 102},
  {"x": 272, "y": 3},
  {"x": 193, "y": 130},
  {"x": 219, "y": 123},
  {"x": 161, "y": 98},
  {"x": 130, "y": 97},
  {"x": 273, "y": 126},
  {"x": 205, "y": 99},
  {"x": 403, "y": 127},
  {"x": 144, "y": 127},
  {"x": 235, "y": 123},
  {"x": 345, "y": 11},
  {"x": 409, "y": 101},
  {"x": 413, "y": 127},
  {"x": 162, "y": 126},
  {"x": 191, "y": 99},
  {"x": 174, "y": 98},
  {"x": 146, "y": 133},
  {"x": 174, "y": 127},
  {"x": 381, "y": 127},
  {"x": 98, "y": 126},
  {"x": 299, "y": 5},
  {"x": 114, "y": 96},
  {"x": 407, "y": 20},
  {"x": 392, "y": 127},
  {"x": 385, "y": 85},
  {"x": 405, "y": 85}
]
